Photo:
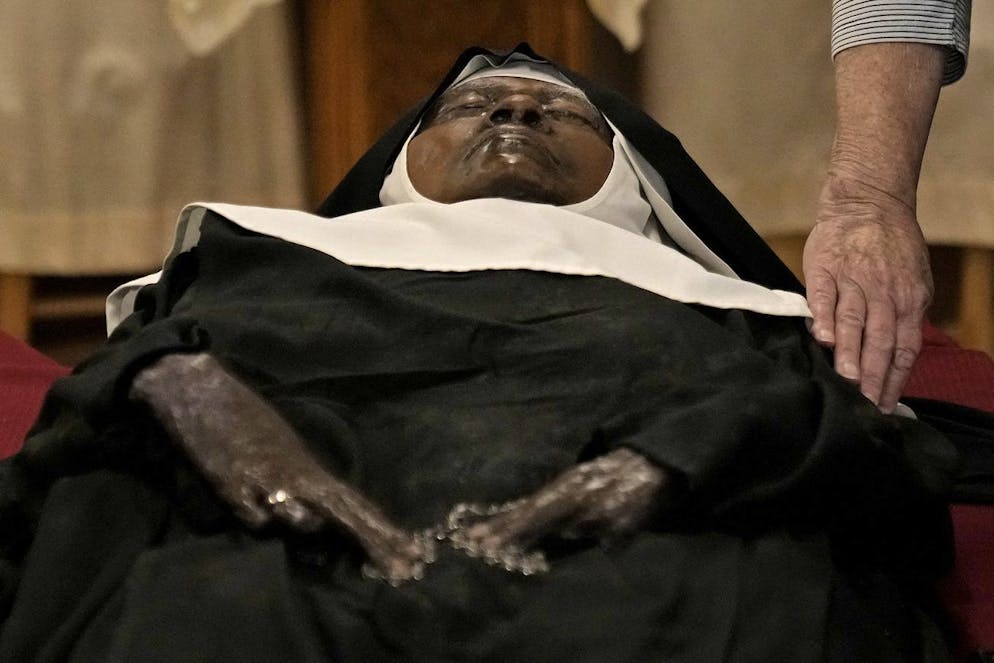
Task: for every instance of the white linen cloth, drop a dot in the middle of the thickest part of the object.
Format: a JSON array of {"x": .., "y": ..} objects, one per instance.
[{"x": 482, "y": 234}]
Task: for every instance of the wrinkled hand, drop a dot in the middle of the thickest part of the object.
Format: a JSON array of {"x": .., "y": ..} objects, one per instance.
[
  {"x": 258, "y": 464},
  {"x": 868, "y": 284},
  {"x": 607, "y": 497}
]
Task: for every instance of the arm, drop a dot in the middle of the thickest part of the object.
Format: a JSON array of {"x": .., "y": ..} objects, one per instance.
[
  {"x": 259, "y": 465},
  {"x": 608, "y": 496},
  {"x": 865, "y": 263}
]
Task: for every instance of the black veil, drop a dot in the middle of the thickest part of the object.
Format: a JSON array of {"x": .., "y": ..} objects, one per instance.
[{"x": 695, "y": 198}]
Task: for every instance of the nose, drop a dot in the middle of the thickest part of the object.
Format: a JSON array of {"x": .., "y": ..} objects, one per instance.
[{"x": 518, "y": 109}]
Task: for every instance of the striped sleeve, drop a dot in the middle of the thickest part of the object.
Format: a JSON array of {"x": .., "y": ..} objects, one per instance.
[{"x": 942, "y": 22}]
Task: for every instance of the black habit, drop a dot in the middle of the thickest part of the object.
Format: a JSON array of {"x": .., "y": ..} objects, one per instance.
[{"x": 805, "y": 525}]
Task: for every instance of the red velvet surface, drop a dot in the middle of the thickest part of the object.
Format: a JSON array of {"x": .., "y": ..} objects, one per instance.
[
  {"x": 949, "y": 373},
  {"x": 943, "y": 372},
  {"x": 968, "y": 593},
  {"x": 946, "y": 372},
  {"x": 25, "y": 375}
]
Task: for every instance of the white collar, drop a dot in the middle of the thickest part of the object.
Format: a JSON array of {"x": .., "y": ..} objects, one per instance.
[{"x": 476, "y": 235}]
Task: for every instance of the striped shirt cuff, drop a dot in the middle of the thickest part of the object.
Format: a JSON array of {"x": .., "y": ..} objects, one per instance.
[{"x": 942, "y": 22}]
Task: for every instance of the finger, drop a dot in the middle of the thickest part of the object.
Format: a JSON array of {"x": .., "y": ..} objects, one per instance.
[
  {"x": 531, "y": 519},
  {"x": 401, "y": 558},
  {"x": 394, "y": 553},
  {"x": 521, "y": 526},
  {"x": 850, "y": 319},
  {"x": 616, "y": 519},
  {"x": 247, "y": 506},
  {"x": 908, "y": 345},
  {"x": 293, "y": 511},
  {"x": 878, "y": 349},
  {"x": 822, "y": 296}
]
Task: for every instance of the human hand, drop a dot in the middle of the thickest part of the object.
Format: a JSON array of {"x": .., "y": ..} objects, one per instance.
[
  {"x": 607, "y": 496},
  {"x": 869, "y": 282},
  {"x": 260, "y": 467}
]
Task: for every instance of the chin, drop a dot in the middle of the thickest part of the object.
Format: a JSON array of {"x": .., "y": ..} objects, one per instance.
[
  {"x": 515, "y": 187},
  {"x": 531, "y": 197}
]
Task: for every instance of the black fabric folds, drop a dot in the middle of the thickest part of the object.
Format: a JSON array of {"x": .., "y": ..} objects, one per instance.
[{"x": 972, "y": 432}]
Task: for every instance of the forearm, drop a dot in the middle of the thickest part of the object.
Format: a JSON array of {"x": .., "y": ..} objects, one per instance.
[
  {"x": 259, "y": 465},
  {"x": 885, "y": 99}
]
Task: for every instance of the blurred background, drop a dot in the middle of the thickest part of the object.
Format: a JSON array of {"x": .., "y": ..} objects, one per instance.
[{"x": 115, "y": 114}]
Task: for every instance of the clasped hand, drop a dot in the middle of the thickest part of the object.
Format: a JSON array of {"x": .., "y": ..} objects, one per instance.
[{"x": 263, "y": 470}]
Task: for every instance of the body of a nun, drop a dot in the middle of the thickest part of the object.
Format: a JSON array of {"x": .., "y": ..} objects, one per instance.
[{"x": 433, "y": 354}]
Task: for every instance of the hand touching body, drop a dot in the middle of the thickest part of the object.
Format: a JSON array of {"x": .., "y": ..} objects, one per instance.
[{"x": 865, "y": 263}]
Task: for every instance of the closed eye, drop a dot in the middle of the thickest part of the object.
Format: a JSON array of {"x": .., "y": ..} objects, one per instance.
[
  {"x": 476, "y": 98},
  {"x": 571, "y": 115},
  {"x": 581, "y": 116}
]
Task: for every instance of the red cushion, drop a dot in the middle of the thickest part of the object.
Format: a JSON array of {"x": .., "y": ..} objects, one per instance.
[
  {"x": 948, "y": 373},
  {"x": 25, "y": 375},
  {"x": 968, "y": 593}
]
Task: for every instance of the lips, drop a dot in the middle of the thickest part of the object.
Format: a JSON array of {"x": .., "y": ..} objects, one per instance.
[{"x": 513, "y": 141}]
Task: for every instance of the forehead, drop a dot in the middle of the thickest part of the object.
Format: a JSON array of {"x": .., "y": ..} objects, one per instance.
[
  {"x": 544, "y": 91},
  {"x": 494, "y": 88}
]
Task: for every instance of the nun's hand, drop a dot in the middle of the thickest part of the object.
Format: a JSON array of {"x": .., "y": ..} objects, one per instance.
[
  {"x": 869, "y": 282},
  {"x": 605, "y": 497},
  {"x": 258, "y": 464}
]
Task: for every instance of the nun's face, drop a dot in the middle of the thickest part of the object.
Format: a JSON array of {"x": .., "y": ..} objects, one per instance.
[{"x": 505, "y": 137}]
